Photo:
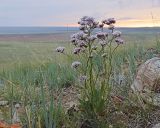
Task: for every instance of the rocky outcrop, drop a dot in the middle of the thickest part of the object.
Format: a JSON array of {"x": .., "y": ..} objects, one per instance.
[{"x": 147, "y": 81}]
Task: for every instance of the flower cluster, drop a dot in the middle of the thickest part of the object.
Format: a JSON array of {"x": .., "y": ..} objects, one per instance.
[
  {"x": 95, "y": 45},
  {"x": 109, "y": 21},
  {"x": 79, "y": 39},
  {"x": 87, "y": 23},
  {"x": 88, "y": 39},
  {"x": 102, "y": 35}
]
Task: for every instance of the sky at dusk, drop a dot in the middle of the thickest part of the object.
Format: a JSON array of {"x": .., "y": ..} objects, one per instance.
[{"x": 128, "y": 13}]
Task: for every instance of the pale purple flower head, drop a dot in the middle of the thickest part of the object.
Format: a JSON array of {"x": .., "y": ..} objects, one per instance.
[
  {"x": 119, "y": 41},
  {"x": 101, "y": 25},
  {"x": 79, "y": 38},
  {"x": 105, "y": 22},
  {"x": 116, "y": 34},
  {"x": 82, "y": 44},
  {"x": 76, "y": 64},
  {"x": 81, "y": 22},
  {"x": 74, "y": 40},
  {"x": 88, "y": 21},
  {"x": 102, "y": 35},
  {"x": 77, "y": 50},
  {"x": 60, "y": 49},
  {"x": 109, "y": 21},
  {"x": 112, "y": 20},
  {"x": 92, "y": 37}
]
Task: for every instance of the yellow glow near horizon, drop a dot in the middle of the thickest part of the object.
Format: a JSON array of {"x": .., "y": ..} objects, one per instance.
[
  {"x": 139, "y": 23},
  {"x": 132, "y": 23}
]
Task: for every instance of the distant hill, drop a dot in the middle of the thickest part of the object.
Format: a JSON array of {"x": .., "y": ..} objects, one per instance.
[
  {"x": 147, "y": 30},
  {"x": 51, "y": 30}
]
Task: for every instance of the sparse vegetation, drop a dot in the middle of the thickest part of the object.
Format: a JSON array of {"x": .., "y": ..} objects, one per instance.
[{"x": 35, "y": 76}]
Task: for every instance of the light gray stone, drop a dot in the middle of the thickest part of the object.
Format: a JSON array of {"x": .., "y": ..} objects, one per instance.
[
  {"x": 147, "y": 80},
  {"x": 156, "y": 126},
  {"x": 3, "y": 103}
]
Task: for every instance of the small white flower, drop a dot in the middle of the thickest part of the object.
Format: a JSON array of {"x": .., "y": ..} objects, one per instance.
[
  {"x": 76, "y": 64},
  {"x": 60, "y": 49}
]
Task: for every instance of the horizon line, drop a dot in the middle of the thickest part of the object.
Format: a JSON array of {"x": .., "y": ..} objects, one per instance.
[{"x": 78, "y": 26}]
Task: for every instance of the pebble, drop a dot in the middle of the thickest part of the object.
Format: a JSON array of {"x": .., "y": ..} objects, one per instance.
[
  {"x": 156, "y": 126},
  {"x": 3, "y": 103}
]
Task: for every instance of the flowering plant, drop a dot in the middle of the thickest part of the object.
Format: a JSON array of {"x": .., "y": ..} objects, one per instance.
[{"x": 97, "y": 47}]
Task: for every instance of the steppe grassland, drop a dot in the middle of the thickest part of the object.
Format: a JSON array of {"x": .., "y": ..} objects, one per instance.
[{"x": 24, "y": 66}]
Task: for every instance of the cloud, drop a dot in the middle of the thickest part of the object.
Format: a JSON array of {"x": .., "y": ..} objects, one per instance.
[
  {"x": 62, "y": 12},
  {"x": 125, "y": 18},
  {"x": 155, "y": 3}
]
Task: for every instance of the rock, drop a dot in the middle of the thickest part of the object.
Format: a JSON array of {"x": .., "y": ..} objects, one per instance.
[
  {"x": 156, "y": 126},
  {"x": 148, "y": 76},
  {"x": 3, "y": 103},
  {"x": 147, "y": 81},
  {"x": 16, "y": 118},
  {"x": 17, "y": 106}
]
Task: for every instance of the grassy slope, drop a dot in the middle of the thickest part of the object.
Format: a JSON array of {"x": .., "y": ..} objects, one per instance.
[
  {"x": 24, "y": 52},
  {"x": 26, "y": 65}
]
